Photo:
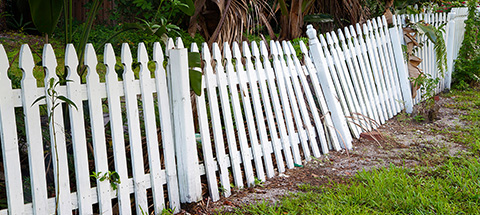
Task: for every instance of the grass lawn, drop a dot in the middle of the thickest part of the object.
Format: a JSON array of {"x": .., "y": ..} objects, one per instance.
[{"x": 452, "y": 187}]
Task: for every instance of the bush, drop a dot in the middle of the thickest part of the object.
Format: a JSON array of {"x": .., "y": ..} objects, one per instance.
[{"x": 467, "y": 69}]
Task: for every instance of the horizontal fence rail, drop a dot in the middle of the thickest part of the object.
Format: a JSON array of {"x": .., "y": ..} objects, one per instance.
[{"x": 262, "y": 110}]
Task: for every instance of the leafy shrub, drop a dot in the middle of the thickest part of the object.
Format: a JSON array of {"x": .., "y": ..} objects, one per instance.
[{"x": 467, "y": 69}]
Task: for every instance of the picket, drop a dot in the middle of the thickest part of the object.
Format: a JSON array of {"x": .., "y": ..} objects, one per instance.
[
  {"x": 134, "y": 133},
  {"x": 341, "y": 89},
  {"x": 393, "y": 66},
  {"x": 358, "y": 84},
  {"x": 227, "y": 116},
  {"x": 364, "y": 74},
  {"x": 208, "y": 159},
  {"x": 295, "y": 69},
  {"x": 114, "y": 91},
  {"x": 384, "y": 67},
  {"x": 9, "y": 141},
  {"x": 33, "y": 132},
  {"x": 359, "y": 89}
]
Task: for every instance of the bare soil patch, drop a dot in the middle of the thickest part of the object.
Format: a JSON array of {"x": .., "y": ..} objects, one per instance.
[{"x": 405, "y": 143}]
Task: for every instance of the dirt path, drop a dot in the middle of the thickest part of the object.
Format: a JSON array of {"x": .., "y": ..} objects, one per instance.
[{"x": 404, "y": 142}]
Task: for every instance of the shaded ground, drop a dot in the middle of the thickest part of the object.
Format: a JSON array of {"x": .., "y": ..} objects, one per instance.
[{"x": 405, "y": 142}]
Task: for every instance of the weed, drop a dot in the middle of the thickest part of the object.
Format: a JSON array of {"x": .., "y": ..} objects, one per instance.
[
  {"x": 112, "y": 177},
  {"x": 419, "y": 118}
]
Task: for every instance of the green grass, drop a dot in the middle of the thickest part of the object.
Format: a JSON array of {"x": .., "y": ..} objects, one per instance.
[{"x": 452, "y": 187}]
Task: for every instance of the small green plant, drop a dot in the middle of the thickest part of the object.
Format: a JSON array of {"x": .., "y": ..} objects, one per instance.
[
  {"x": 419, "y": 118},
  {"x": 53, "y": 100},
  {"x": 257, "y": 182},
  {"x": 112, "y": 177}
]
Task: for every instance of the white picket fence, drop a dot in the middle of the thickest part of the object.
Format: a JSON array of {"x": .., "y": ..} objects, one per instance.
[{"x": 262, "y": 110}]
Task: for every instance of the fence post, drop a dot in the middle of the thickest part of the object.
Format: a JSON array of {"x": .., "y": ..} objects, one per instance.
[
  {"x": 401, "y": 67},
  {"x": 339, "y": 120},
  {"x": 450, "y": 49},
  {"x": 184, "y": 139}
]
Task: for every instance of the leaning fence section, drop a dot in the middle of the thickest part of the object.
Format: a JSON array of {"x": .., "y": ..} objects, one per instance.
[
  {"x": 364, "y": 70},
  {"x": 359, "y": 67},
  {"x": 263, "y": 113}
]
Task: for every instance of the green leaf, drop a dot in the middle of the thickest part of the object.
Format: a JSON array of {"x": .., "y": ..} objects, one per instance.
[
  {"x": 194, "y": 59},
  {"x": 45, "y": 14},
  {"x": 38, "y": 99},
  {"x": 160, "y": 32},
  {"x": 68, "y": 101},
  {"x": 196, "y": 81},
  {"x": 187, "y": 7}
]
